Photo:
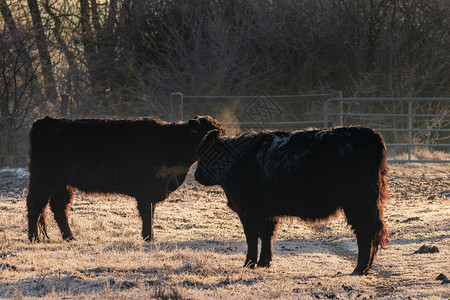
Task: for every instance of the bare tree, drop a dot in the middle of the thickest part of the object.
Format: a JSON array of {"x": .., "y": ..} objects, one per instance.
[
  {"x": 73, "y": 75},
  {"x": 19, "y": 97},
  {"x": 43, "y": 48}
]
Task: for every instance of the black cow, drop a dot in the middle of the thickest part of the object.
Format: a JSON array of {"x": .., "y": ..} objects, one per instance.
[
  {"x": 143, "y": 158},
  {"x": 308, "y": 174}
]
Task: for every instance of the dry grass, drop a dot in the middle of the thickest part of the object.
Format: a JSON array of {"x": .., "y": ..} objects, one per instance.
[
  {"x": 424, "y": 154},
  {"x": 200, "y": 248}
]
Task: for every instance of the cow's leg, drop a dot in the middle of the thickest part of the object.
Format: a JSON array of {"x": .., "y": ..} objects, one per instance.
[
  {"x": 371, "y": 233},
  {"x": 60, "y": 202},
  {"x": 357, "y": 218},
  {"x": 251, "y": 234},
  {"x": 37, "y": 200},
  {"x": 365, "y": 252},
  {"x": 146, "y": 203},
  {"x": 267, "y": 230},
  {"x": 146, "y": 209},
  {"x": 146, "y": 212}
]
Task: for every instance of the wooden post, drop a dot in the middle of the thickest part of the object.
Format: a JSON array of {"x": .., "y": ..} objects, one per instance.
[
  {"x": 64, "y": 105},
  {"x": 176, "y": 106}
]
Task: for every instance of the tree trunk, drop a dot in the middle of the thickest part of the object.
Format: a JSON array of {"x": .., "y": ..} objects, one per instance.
[
  {"x": 7, "y": 16},
  {"x": 44, "y": 54},
  {"x": 88, "y": 39},
  {"x": 73, "y": 78}
]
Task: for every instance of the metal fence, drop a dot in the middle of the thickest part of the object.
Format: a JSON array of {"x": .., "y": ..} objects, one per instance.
[
  {"x": 406, "y": 123},
  {"x": 426, "y": 116},
  {"x": 254, "y": 112},
  {"x": 398, "y": 119}
]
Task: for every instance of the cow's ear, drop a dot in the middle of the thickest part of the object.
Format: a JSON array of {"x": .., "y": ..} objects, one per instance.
[
  {"x": 194, "y": 124},
  {"x": 213, "y": 134},
  {"x": 211, "y": 138}
]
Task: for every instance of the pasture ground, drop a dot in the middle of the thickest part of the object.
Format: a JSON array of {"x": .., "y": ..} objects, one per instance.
[{"x": 200, "y": 248}]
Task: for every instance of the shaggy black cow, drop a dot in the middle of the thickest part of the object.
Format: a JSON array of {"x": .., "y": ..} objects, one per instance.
[
  {"x": 143, "y": 158},
  {"x": 308, "y": 174}
]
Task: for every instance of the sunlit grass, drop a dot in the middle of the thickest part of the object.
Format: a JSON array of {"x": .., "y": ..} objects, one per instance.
[{"x": 200, "y": 249}]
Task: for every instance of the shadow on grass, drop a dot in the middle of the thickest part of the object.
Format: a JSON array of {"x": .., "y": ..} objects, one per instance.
[{"x": 286, "y": 246}]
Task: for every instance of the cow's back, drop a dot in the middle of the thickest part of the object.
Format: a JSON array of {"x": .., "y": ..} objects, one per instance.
[
  {"x": 307, "y": 173},
  {"x": 98, "y": 155}
]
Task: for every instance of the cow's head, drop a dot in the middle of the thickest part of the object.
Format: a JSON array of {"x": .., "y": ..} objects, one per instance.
[
  {"x": 201, "y": 125},
  {"x": 209, "y": 153}
]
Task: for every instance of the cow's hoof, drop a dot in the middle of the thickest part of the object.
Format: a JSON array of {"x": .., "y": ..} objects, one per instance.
[
  {"x": 69, "y": 238},
  {"x": 359, "y": 273},
  {"x": 149, "y": 239},
  {"x": 264, "y": 263},
  {"x": 34, "y": 240},
  {"x": 249, "y": 264}
]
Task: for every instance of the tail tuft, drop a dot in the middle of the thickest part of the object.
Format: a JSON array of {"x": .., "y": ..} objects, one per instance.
[{"x": 382, "y": 237}]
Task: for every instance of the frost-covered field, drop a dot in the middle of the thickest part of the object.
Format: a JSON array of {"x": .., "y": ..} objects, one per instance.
[{"x": 200, "y": 248}]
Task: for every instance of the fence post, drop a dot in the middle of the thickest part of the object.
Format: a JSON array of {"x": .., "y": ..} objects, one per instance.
[
  {"x": 409, "y": 129},
  {"x": 338, "y": 94},
  {"x": 64, "y": 105},
  {"x": 176, "y": 106}
]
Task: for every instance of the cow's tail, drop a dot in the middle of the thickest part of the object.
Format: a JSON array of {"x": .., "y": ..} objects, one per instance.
[
  {"x": 42, "y": 225},
  {"x": 381, "y": 238}
]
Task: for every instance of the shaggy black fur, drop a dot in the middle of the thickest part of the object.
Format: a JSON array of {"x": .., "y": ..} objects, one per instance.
[
  {"x": 309, "y": 174},
  {"x": 143, "y": 158}
]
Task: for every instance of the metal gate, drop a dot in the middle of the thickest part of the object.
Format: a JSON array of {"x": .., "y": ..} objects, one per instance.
[{"x": 337, "y": 111}]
